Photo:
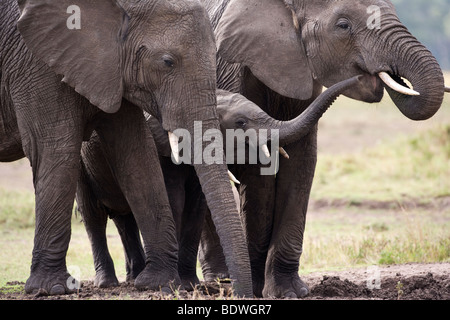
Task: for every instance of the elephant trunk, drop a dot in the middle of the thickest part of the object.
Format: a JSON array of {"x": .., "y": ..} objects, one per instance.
[
  {"x": 407, "y": 58},
  {"x": 293, "y": 130},
  {"x": 216, "y": 186},
  {"x": 218, "y": 192}
]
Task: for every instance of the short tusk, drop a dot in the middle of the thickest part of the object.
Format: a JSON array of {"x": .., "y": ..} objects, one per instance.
[
  {"x": 265, "y": 149},
  {"x": 447, "y": 89},
  {"x": 391, "y": 83},
  {"x": 233, "y": 178},
  {"x": 284, "y": 153},
  {"x": 173, "y": 140}
]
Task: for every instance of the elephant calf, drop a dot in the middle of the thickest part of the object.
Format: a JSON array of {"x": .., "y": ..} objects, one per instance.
[{"x": 99, "y": 196}]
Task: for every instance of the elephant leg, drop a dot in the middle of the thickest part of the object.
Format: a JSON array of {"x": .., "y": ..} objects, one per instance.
[
  {"x": 132, "y": 156},
  {"x": 294, "y": 181},
  {"x": 134, "y": 252},
  {"x": 257, "y": 197},
  {"x": 95, "y": 218},
  {"x": 175, "y": 181},
  {"x": 191, "y": 228},
  {"x": 185, "y": 196},
  {"x": 53, "y": 148}
]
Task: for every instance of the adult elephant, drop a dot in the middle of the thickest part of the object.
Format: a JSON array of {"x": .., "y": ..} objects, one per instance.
[
  {"x": 279, "y": 54},
  {"x": 99, "y": 196},
  {"x": 69, "y": 68}
]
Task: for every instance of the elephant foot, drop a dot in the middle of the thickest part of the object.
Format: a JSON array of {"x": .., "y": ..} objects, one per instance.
[
  {"x": 258, "y": 286},
  {"x": 105, "y": 279},
  {"x": 286, "y": 286},
  {"x": 216, "y": 276},
  {"x": 51, "y": 283},
  {"x": 134, "y": 268},
  {"x": 189, "y": 282},
  {"x": 165, "y": 281}
]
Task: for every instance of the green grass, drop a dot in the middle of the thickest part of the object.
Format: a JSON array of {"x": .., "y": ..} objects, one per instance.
[
  {"x": 17, "y": 234},
  {"x": 16, "y": 209},
  {"x": 351, "y": 237},
  {"x": 416, "y": 166}
]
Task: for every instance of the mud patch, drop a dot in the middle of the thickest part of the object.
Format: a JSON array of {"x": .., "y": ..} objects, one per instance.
[{"x": 428, "y": 287}]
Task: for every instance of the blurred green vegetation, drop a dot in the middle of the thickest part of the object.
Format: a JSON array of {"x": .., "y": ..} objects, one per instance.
[{"x": 410, "y": 167}]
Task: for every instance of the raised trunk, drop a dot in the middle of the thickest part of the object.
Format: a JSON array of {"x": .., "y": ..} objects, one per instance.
[
  {"x": 426, "y": 78},
  {"x": 295, "y": 129},
  {"x": 405, "y": 57}
]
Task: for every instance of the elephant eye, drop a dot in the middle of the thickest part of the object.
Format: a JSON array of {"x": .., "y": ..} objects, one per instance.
[
  {"x": 343, "y": 24},
  {"x": 168, "y": 61},
  {"x": 240, "y": 123}
]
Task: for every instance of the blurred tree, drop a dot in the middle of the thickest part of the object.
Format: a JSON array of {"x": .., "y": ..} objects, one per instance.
[{"x": 429, "y": 21}]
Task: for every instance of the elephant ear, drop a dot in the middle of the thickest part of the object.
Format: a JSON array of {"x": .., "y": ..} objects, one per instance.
[
  {"x": 261, "y": 35},
  {"x": 78, "y": 39}
]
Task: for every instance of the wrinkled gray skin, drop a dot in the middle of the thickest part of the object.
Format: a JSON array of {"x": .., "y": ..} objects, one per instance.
[
  {"x": 100, "y": 197},
  {"x": 279, "y": 54},
  {"x": 59, "y": 85}
]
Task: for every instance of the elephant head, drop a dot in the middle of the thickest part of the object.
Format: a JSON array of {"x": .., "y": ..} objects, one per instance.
[
  {"x": 161, "y": 56},
  {"x": 327, "y": 42},
  {"x": 237, "y": 112}
]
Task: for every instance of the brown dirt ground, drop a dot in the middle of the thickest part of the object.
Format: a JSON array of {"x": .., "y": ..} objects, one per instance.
[{"x": 397, "y": 282}]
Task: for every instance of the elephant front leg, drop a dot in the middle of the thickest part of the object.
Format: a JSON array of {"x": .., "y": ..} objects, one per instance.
[
  {"x": 191, "y": 228},
  {"x": 257, "y": 198},
  {"x": 51, "y": 140},
  {"x": 189, "y": 208},
  {"x": 294, "y": 181},
  {"x": 55, "y": 172},
  {"x": 131, "y": 240},
  {"x": 132, "y": 156}
]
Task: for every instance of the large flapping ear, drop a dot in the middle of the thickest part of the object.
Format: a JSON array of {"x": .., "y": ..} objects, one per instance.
[
  {"x": 262, "y": 36},
  {"x": 80, "y": 40}
]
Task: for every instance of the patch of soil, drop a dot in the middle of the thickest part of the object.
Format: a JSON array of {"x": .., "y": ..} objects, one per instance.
[
  {"x": 427, "y": 287},
  {"x": 14, "y": 290},
  {"x": 399, "y": 282}
]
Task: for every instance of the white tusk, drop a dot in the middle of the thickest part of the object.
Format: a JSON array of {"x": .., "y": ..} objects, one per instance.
[
  {"x": 173, "y": 140},
  {"x": 265, "y": 149},
  {"x": 284, "y": 153},
  {"x": 396, "y": 86},
  {"x": 233, "y": 178},
  {"x": 447, "y": 89}
]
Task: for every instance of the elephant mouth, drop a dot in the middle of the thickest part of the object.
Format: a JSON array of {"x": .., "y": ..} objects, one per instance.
[{"x": 370, "y": 89}]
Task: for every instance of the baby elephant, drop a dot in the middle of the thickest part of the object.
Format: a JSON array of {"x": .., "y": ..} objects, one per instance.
[{"x": 99, "y": 196}]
